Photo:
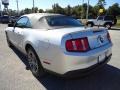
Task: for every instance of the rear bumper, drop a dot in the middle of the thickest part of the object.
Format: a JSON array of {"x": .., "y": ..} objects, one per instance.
[{"x": 86, "y": 71}]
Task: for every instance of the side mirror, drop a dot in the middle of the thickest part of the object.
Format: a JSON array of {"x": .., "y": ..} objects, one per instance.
[{"x": 10, "y": 24}]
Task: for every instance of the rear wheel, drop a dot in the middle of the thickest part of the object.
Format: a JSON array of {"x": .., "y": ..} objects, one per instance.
[
  {"x": 90, "y": 24},
  {"x": 34, "y": 63},
  {"x": 108, "y": 26}
]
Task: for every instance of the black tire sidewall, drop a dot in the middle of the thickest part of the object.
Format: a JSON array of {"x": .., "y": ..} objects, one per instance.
[
  {"x": 8, "y": 41},
  {"x": 91, "y": 25},
  {"x": 109, "y": 25},
  {"x": 40, "y": 71}
]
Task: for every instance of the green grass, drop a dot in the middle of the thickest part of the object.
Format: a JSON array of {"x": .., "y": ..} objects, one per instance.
[{"x": 118, "y": 23}]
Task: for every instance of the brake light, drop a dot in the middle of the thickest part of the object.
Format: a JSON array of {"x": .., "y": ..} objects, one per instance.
[
  {"x": 77, "y": 45},
  {"x": 108, "y": 36}
]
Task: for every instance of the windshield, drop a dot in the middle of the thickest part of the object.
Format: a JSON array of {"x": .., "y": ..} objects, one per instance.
[{"x": 63, "y": 21}]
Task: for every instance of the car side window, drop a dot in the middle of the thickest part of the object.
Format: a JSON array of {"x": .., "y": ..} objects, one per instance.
[
  {"x": 108, "y": 18},
  {"x": 23, "y": 23},
  {"x": 28, "y": 25},
  {"x": 100, "y": 18}
]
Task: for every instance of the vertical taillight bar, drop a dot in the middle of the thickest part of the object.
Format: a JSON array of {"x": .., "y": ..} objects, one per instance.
[{"x": 77, "y": 45}]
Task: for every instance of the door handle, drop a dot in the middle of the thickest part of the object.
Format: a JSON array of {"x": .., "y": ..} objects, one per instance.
[{"x": 18, "y": 32}]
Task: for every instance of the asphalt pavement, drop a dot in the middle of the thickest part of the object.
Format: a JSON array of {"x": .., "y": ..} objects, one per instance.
[{"x": 15, "y": 76}]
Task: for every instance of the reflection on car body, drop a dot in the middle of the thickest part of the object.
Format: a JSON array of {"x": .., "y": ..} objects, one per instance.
[{"x": 59, "y": 43}]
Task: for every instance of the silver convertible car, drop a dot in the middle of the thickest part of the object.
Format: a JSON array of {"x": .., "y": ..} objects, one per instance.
[{"x": 59, "y": 44}]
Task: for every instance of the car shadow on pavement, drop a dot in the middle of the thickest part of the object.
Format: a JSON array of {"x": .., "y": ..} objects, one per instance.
[
  {"x": 22, "y": 57},
  {"x": 106, "y": 78},
  {"x": 115, "y": 29}
]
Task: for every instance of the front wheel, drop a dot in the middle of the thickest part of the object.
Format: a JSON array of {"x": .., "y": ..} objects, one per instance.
[
  {"x": 8, "y": 41},
  {"x": 34, "y": 63}
]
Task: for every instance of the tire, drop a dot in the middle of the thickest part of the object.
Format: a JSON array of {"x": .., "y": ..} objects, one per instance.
[
  {"x": 90, "y": 24},
  {"x": 34, "y": 63},
  {"x": 8, "y": 41},
  {"x": 108, "y": 26}
]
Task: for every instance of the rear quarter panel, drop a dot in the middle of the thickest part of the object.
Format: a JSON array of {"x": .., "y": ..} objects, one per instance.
[{"x": 48, "y": 47}]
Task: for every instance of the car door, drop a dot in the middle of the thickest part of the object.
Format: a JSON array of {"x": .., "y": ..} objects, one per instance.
[
  {"x": 100, "y": 20},
  {"x": 20, "y": 26}
]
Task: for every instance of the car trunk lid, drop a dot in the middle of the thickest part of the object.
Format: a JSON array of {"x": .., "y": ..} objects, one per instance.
[{"x": 96, "y": 37}]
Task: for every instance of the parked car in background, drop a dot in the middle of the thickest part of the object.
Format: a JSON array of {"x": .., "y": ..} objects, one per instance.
[
  {"x": 0, "y": 19},
  {"x": 80, "y": 21},
  {"x": 4, "y": 19},
  {"x": 13, "y": 18},
  {"x": 60, "y": 44},
  {"x": 106, "y": 21}
]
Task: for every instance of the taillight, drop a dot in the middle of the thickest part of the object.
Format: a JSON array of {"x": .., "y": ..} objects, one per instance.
[
  {"x": 77, "y": 45},
  {"x": 108, "y": 36}
]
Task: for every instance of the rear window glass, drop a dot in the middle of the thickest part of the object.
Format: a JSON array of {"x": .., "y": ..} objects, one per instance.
[{"x": 63, "y": 21}]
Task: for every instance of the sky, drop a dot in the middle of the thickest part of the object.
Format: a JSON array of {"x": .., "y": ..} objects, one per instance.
[{"x": 47, "y": 4}]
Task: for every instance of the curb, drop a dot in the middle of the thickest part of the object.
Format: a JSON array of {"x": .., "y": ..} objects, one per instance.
[{"x": 115, "y": 28}]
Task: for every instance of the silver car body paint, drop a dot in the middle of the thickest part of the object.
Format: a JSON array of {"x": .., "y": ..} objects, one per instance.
[{"x": 50, "y": 45}]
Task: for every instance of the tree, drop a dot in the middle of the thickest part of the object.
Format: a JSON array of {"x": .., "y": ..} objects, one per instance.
[
  {"x": 68, "y": 10},
  {"x": 27, "y": 11},
  {"x": 84, "y": 10},
  {"x": 114, "y": 9},
  {"x": 12, "y": 12},
  {"x": 22, "y": 12},
  {"x": 96, "y": 11},
  {"x": 77, "y": 11},
  {"x": 35, "y": 9},
  {"x": 92, "y": 13},
  {"x": 101, "y": 3},
  {"x": 49, "y": 11},
  {"x": 41, "y": 11},
  {"x": 57, "y": 9}
]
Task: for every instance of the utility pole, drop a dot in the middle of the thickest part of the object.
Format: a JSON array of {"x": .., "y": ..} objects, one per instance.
[
  {"x": 0, "y": 9},
  {"x": 33, "y": 6},
  {"x": 82, "y": 10},
  {"x": 87, "y": 10},
  {"x": 17, "y": 7}
]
